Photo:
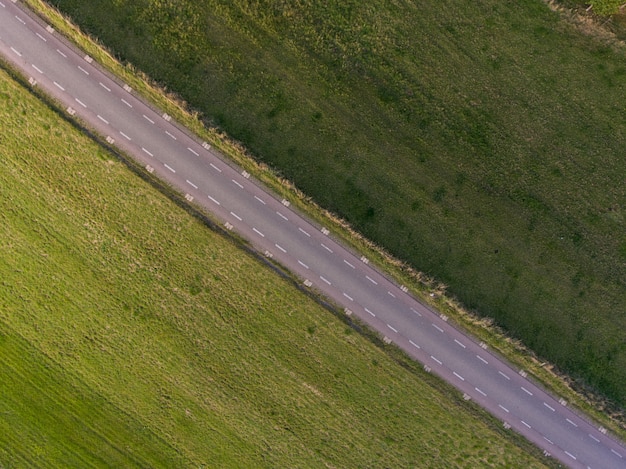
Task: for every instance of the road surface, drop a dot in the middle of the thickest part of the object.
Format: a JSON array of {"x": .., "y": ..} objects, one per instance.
[{"x": 242, "y": 204}]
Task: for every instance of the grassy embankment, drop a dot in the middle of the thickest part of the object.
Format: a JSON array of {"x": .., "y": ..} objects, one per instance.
[
  {"x": 131, "y": 335},
  {"x": 482, "y": 142}
]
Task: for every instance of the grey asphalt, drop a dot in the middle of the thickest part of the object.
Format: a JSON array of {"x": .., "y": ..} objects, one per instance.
[{"x": 168, "y": 150}]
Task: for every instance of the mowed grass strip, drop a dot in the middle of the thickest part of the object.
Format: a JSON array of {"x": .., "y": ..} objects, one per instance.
[
  {"x": 482, "y": 143},
  {"x": 131, "y": 335}
]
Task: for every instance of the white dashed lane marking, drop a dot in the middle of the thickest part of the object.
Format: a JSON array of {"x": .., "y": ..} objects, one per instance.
[
  {"x": 458, "y": 376},
  {"x": 346, "y": 262},
  {"x": 348, "y": 296},
  {"x": 303, "y": 231},
  {"x": 238, "y": 184},
  {"x": 146, "y": 151},
  {"x": 259, "y": 199},
  {"x": 594, "y": 438},
  {"x": 527, "y": 391},
  {"x": 482, "y": 359},
  {"x": 171, "y": 135},
  {"x": 392, "y": 328},
  {"x": 20, "y": 19},
  {"x": 41, "y": 37},
  {"x": 303, "y": 264},
  {"x": 525, "y": 424},
  {"x": 37, "y": 68},
  {"x": 258, "y": 232},
  {"x": 570, "y": 455},
  {"x": 504, "y": 375},
  {"x": 435, "y": 359},
  {"x": 369, "y": 312},
  {"x": 127, "y": 103},
  {"x": 503, "y": 408},
  {"x": 102, "y": 119},
  {"x": 193, "y": 151},
  {"x": 281, "y": 248},
  {"x": 282, "y": 216},
  {"x": 80, "y": 102},
  {"x": 62, "y": 54},
  {"x": 58, "y": 85},
  {"x": 480, "y": 392},
  {"x": 125, "y": 136},
  {"x": 414, "y": 344},
  {"x": 191, "y": 184},
  {"x": 104, "y": 86},
  {"x": 83, "y": 70},
  {"x": 391, "y": 294},
  {"x": 148, "y": 119},
  {"x": 549, "y": 406},
  {"x": 16, "y": 51},
  {"x": 215, "y": 168},
  {"x": 235, "y": 215},
  {"x": 416, "y": 312},
  {"x": 461, "y": 344},
  {"x": 571, "y": 423},
  {"x": 213, "y": 200},
  {"x": 169, "y": 167},
  {"x": 325, "y": 280},
  {"x": 437, "y": 327},
  {"x": 327, "y": 248},
  {"x": 371, "y": 280},
  {"x": 616, "y": 453}
]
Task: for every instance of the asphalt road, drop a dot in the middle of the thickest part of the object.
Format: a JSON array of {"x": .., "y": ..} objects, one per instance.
[{"x": 244, "y": 205}]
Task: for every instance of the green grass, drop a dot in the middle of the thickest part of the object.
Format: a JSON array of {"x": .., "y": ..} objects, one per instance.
[
  {"x": 482, "y": 143},
  {"x": 132, "y": 335}
]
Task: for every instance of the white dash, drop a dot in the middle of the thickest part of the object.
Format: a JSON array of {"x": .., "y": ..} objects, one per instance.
[
  {"x": 549, "y": 406},
  {"x": 83, "y": 70},
  {"x": 58, "y": 86},
  {"x": 482, "y": 359},
  {"x": 20, "y": 19},
  {"x": 260, "y": 199},
  {"x": 146, "y": 151},
  {"x": 571, "y": 423},
  {"x": 458, "y": 376},
  {"x": 191, "y": 184},
  {"x": 124, "y": 135},
  {"x": 282, "y": 216},
  {"x": 348, "y": 263},
  {"x": 127, "y": 103},
  {"x": 281, "y": 248},
  {"x": 438, "y": 361},
  {"x": 80, "y": 102},
  {"x": 258, "y": 232},
  {"x": 103, "y": 119},
  {"x": 503, "y": 408},
  {"x": 526, "y": 424},
  {"x": 348, "y": 296},
  {"x": 16, "y": 51},
  {"x": 240, "y": 186},
  {"x": 41, "y": 37},
  {"x": 105, "y": 86},
  {"x": 459, "y": 343},
  {"x": 169, "y": 167},
  {"x": 548, "y": 440},
  {"x": 61, "y": 53},
  {"x": 504, "y": 375},
  {"x": 392, "y": 328},
  {"x": 594, "y": 438},
  {"x": 371, "y": 280},
  {"x": 480, "y": 392},
  {"x": 391, "y": 294},
  {"x": 215, "y": 168},
  {"x": 303, "y": 231},
  {"x": 414, "y": 344},
  {"x": 437, "y": 327},
  {"x": 616, "y": 453},
  {"x": 416, "y": 312},
  {"x": 570, "y": 455},
  {"x": 235, "y": 215},
  {"x": 325, "y": 280},
  {"x": 171, "y": 135},
  {"x": 148, "y": 119},
  {"x": 369, "y": 312},
  {"x": 214, "y": 201},
  {"x": 193, "y": 151},
  {"x": 327, "y": 248},
  {"x": 303, "y": 264},
  {"x": 527, "y": 391},
  {"x": 37, "y": 68}
]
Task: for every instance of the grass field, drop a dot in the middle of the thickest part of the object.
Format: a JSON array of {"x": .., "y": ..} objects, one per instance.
[
  {"x": 482, "y": 143},
  {"x": 133, "y": 336}
]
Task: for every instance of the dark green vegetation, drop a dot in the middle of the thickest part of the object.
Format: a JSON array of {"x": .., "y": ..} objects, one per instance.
[
  {"x": 483, "y": 142},
  {"x": 133, "y": 336}
]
